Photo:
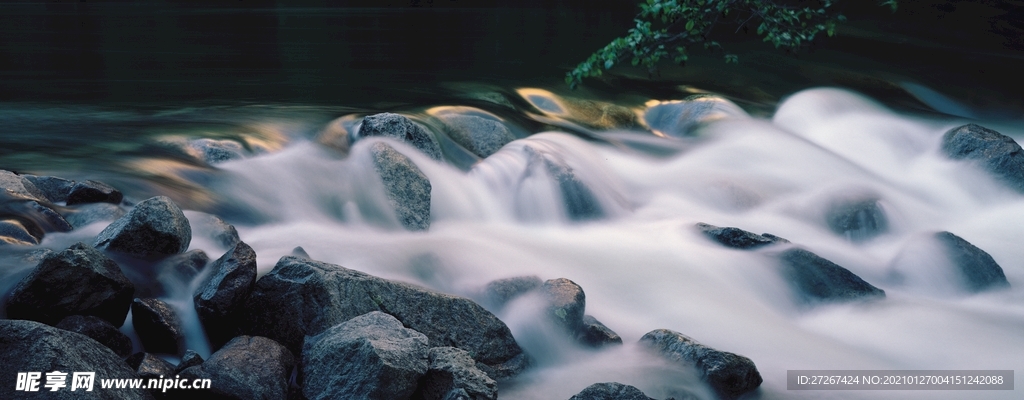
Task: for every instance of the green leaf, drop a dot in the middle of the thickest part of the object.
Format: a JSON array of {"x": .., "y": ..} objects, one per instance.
[{"x": 689, "y": 25}]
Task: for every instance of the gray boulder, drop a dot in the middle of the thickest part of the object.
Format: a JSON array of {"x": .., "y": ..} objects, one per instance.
[
  {"x": 998, "y": 154},
  {"x": 94, "y": 212},
  {"x": 19, "y": 186},
  {"x": 28, "y": 346},
  {"x": 371, "y": 356},
  {"x": 977, "y": 268},
  {"x": 77, "y": 281},
  {"x": 247, "y": 367},
  {"x": 451, "y": 372},
  {"x": 594, "y": 334},
  {"x": 407, "y": 188},
  {"x": 481, "y": 136},
  {"x": 499, "y": 292},
  {"x": 93, "y": 192},
  {"x": 610, "y": 391},
  {"x": 566, "y": 303},
  {"x": 302, "y": 297},
  {"x": 158, "y": 326},
  {"x": 816, "y": 279},
  {"x": 99, "y": 330},
  {"x": 224, "y": 291},
  {"x": 155, "y": 228},
  {"x": 399, "y": 127},
  {"x": 857, "y": 220},
  {"x": 54, "y": 189},
  {"x": 729, "y": 375},
  {"x": 737, "y": 238}
]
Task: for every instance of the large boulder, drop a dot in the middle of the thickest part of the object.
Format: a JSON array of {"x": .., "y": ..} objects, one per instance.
[
  {"x": 396, "y": 126},
  {"x": 371, "y": 356},
  {"x": 729, "y": 375},
  {"x": 407, "y": 188},
  {"x": 816, "y": 279},
  {"x": 998, "y": 154},
  {"x": 302, "y": 297},
  {"x": 79, "y": 280},
  {"x": 566, "y": 303},
  {"x": 737, "y": 238},
  {"x": 158, "y": 326},
  {"x": 610, "y": 391},
  {"x": 99, "y": 330},
  {"x": 858, "y": 219},
  {"x": 154, "y": 229},
  {"x": 93, "y": 192},
  {"x": 28, "y": 346},
  {"x": 224, "y": 291},
  {"x": 481, "y": 136},
  {"x": 451, "y": 372},
  {"x": 977, "y": 268},
  {"x": 247, "y": 367}
]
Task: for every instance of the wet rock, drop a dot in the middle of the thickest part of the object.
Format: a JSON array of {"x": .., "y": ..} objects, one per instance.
[
  {"x": 188, "y": 360},
  {"x": 77, "y": 281},
  {"x": 580, "y": 202},
  {"x": 683, "y": 118},
  {"x": 13, "y": 231},
  {"x": 729, "y": 375},
  {"x": 857, "y": 220},
  {"x": 155, "y": 228},
  {"x": 610, "y": 391},
  {"x": 185, "y": 266},
  {"x": 481, "y": 136},
  {"x": 247, "y": 367},
  {"x": 18, "y": 186},
  {"x": 594, "y": 334},
  {"x": 300, "y": 252},
  {"x": 737, "y": 238},
  {"x": 214, "y": 151},
  {"x": 223, "y": 293},
  {"x": 93, "y": 192},
  {"x": 817, "y": 279},
  {"x": 453, "y": 370},
  {"x": 95, "y": 212},
  {"x": 407, "y": 188},
  {"x": 979, "y": 270},
  {"x": 998, "y": 154},
  {"x": 399, "y": 127},
  {"x": 566, "y": 303},
  {"x": 499, "y": 292},
  {"x": 29, "y": 346},
  {"x": 53, "y": 189},
  {"x": 214, "y": 228},
  {"x": 158, "y": 326},
  {"x": 371, "y": 356},
  {"x": 99, "y": 330},
  {"x": 149, "y": 366},
  {"x": 301, "y": 297}
]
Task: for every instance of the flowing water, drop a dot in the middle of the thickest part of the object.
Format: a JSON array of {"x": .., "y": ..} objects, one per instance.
[{"x": 641, "y": 261}]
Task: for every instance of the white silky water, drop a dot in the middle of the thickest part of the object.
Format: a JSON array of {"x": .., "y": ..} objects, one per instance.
[{"x": 644, "y": 265}]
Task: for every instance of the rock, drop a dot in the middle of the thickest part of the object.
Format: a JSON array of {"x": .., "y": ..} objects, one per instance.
[
  {"x": 729, "y": 375},
  {"x": 371, "y": 356},
  {"x": 247, "y": 367},
  {"x": 77, "y": 281},
  {"x": 183, "y": 267},
  {"x": 407, "y": 188},
  {"x": 857, "y": 220},
  {"x": 18, "y": 186},
  {"x": 682, "y": 118},
  {"x": 979, "y": 270},
  {"x": 214, "y": 151},
  {"x": 737, "y": 238},
  {"x": 817, "y": 279},
  {"x": 154, "y": 229},
  {"x": 580, "y": 202},
  {"x": 149, "y": 366},
  {"x": 54, "y": 189},
  {"x": 453, "y": 370},
  {"x": 499, "y": 292},
  {"x": 93, "y": 192},
  {"x": 224, "y": 291},
  {"x": 336, "y": 134},
  {"x": 213, "y": 227},
  {"x": 94, "y": 212},
  {"x": 566, "y": 303},
  {"x": 399, "y": 127},
  {"x": 29, "y": 346},
  {"x": 610, "y": 391},
  {"x": 13, "y": 231},
  {"x": 481, "y": 136},
  {"x": 300, "y": 252},
  {"x": 99, "y": 330},
  {"x": 998, "y": 154},
  {"x": 302, "y": 297},
  {"x": 594, "y": 334},
  {"x": 158, "y": 326},
  {"x": 188, "y": 360}
]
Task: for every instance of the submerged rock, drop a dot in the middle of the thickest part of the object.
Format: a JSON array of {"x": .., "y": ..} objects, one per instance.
[
  {"x": 93, "y": 192},
  {"x": 857, "y": 220},
  {"x": 566, "y": 303},
  {"x": 580, "y": 202},
  {"x": 222, "y": 294},
  {"x": 817, "y": 279},
  {"x": 99, "y": 330},
  {"x": 998, "y": 154},
  {"x": 214, "y": 228},
  {"x": 77, "y": 281},
  {"x": 452, "y": 372},
  {"x": 610, "y": 391},
  {"x": 737, "y": 238},
  {"x": 53, "y": 189},
  {"x": 302, "y": 297},
  {"x": 481, "y": 136},
  {"x": 977, "y": 268},
  {"x": 499, "y": 292},
  {"x": 594, "y": 334},
  {"x": 682, "y": 118},
  {"x": 399, "y": 127},
  {"x": 214, "y": 151},
  {"x": 158, "y": 326},
  {"x": 371, "y": 356},
  {"x": 155, "y": 228},
  {"x": 29, "y": 346},
  {"x": 247, "y": 367},
  {"x": 729, "y": 375},
  {"x": 94, "y": 212},
  {"x": 407, "y": 188}
]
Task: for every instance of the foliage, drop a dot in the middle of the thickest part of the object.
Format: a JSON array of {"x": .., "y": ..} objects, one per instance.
[{"x": 667, "y": 28}]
